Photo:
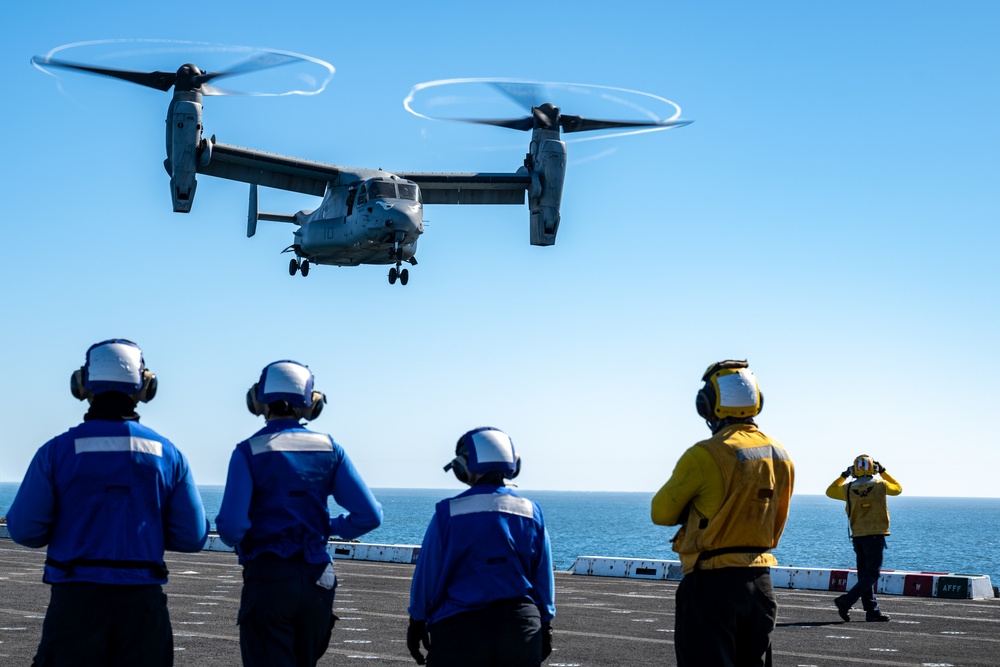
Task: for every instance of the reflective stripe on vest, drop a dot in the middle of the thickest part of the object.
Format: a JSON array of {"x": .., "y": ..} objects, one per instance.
[
  {"x": 493, "y": 502},
  {"x": 290, "y": 441},
  {"x": 118, "y": 443},
  {"x": 757, "y": 474},
  {"x": 762, "y": 452}
]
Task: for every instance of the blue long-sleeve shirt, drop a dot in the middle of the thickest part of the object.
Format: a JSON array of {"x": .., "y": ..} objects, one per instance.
[
  {"x": 484, "y": 545},
  {"x": 108, "y": 491},
  {"x": 276, "y": 494}
]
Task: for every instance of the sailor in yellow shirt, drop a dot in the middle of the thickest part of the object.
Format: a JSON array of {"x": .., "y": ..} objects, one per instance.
[
  {"x": 869, "y": 516},
  {"x": 730, "y": 494}
]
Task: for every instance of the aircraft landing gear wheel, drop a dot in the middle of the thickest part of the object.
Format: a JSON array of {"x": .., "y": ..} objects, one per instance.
[
  {"x": 404, "y": 277},
  {"x": 305, "y": 268},
  {"x": 393, "y": 274},
  {"x": 293, "y": 267}
]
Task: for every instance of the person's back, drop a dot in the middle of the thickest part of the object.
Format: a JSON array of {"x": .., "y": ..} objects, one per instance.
[
  {"x": 496, "y": 542},
  {"x": 293, "y": 471},
  {"x": 274, "y": 512},
  {"x": 108, "y": 497},
  {"x": 730, "y": 494},
  {"x": 483, "y": 591},
  {"x": 756, "y": 489}
]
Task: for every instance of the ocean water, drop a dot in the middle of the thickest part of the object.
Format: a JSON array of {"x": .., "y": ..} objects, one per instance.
[{"x": 928, "y": 534}]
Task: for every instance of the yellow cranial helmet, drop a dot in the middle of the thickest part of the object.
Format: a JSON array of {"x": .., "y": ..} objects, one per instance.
[
  {"x": 864, "y": 466},
  {"x": 730, "y": 390}
]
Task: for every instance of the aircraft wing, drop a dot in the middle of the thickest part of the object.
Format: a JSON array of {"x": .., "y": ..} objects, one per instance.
[
  {"x": 470, "y": 188},
  {"x": 267, "y": 169},
  {"x": 297, "y": 175}
]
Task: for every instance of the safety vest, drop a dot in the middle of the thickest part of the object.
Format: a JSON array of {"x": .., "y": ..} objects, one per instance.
[
  {"x": 757, "y": 475},
  {"x": 493, "y": 546},
  {"x": 112, "y": 481},
  {"x": 867, "y": 508},
  {"x": 293, "y": 470}
]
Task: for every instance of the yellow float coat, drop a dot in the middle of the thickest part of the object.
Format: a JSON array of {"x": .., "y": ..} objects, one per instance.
[
  {"x": 866, "y": 506},
  {"x": 732, "y": 490}
]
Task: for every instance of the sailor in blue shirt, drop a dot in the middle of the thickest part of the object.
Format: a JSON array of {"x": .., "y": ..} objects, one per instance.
[
  {"x": 107, "y": 497},
  {"x": 274, "y": 512},
  {"x": 483, "y": 591}
]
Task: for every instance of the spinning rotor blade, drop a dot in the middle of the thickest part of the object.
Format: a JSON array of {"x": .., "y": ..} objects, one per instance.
[
  {"x": 158, "y": 80},
  {"x": 646, "y": 109},
  {"x": 525, "y": 94},
  {"x": 188, "y": 77},
  {"x": 548, "y": 117},
  {"x": 266, "y": 60},
  {"x": 580, "y": 124},
  {"x": 525, "y": 123},
  {"x": 259, "y": 62}
]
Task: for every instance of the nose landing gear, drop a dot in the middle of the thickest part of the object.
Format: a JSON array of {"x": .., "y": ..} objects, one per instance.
[{"x": 395, "y": 272}]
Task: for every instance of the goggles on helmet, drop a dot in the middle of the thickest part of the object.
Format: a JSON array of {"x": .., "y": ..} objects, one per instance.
[{"x": 864, "y": 466}]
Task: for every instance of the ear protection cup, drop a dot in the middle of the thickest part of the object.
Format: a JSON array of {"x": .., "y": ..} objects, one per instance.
[
  {"x": 315, "y": 408},
  {"x": 460, "y": 466},
  {"x": 704, "y": 402},
  {"x": 517, "y": 466},
  {"x": 255, "y": 407},
  {"x": 76, "y": 385},
  {"x": 149, "y": 385}
]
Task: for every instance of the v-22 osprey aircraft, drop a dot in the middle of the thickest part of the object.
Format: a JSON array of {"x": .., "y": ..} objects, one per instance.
[{"x": 366, "y": 216}]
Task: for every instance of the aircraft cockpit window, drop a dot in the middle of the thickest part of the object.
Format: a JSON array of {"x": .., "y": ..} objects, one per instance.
[
  {"x": 407, "y": 191},
  {"x": 363, "y": 196},
  {"x": 382, "y": 189}
]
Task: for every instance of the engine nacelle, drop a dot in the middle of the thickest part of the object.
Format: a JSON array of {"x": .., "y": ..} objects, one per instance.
[
  {"x": 547, "y": 166},
  {"x": 183, "y": 139}
]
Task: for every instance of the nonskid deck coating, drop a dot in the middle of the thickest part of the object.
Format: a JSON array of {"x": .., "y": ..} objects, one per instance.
[{"x": 600, "y": 622}]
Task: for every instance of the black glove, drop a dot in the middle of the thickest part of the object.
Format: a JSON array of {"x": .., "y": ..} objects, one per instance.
[
  {"x": 546, "y": 640},
  {"x": 879, "y": 468},
  {"x": 847, "y": 473},
  {"x": 416, "y": 634}
]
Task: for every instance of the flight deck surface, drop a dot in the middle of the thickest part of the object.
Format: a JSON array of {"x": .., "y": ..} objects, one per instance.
[{"x": 600, "y": 621}]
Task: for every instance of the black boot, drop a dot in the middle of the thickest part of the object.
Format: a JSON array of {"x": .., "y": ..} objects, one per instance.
[{"x": 843, "y": 608}]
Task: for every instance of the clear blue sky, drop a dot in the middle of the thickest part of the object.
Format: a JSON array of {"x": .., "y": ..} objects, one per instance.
[{"x": 831, "y": 215}]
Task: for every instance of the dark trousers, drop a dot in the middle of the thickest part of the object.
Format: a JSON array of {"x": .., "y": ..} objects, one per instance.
[
  {"x": 285, "y": 619},
  {"x": 101, "y": 625},
  {"x": 725, "y": 618},
  {"x": 869, "y": 550},
  {"x": 505, "y": 634}
]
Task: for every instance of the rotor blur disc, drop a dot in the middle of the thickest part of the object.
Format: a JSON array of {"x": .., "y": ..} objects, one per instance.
[
  {"x": 249, "y": 71},
  {"x": 504, "y": 103}
]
